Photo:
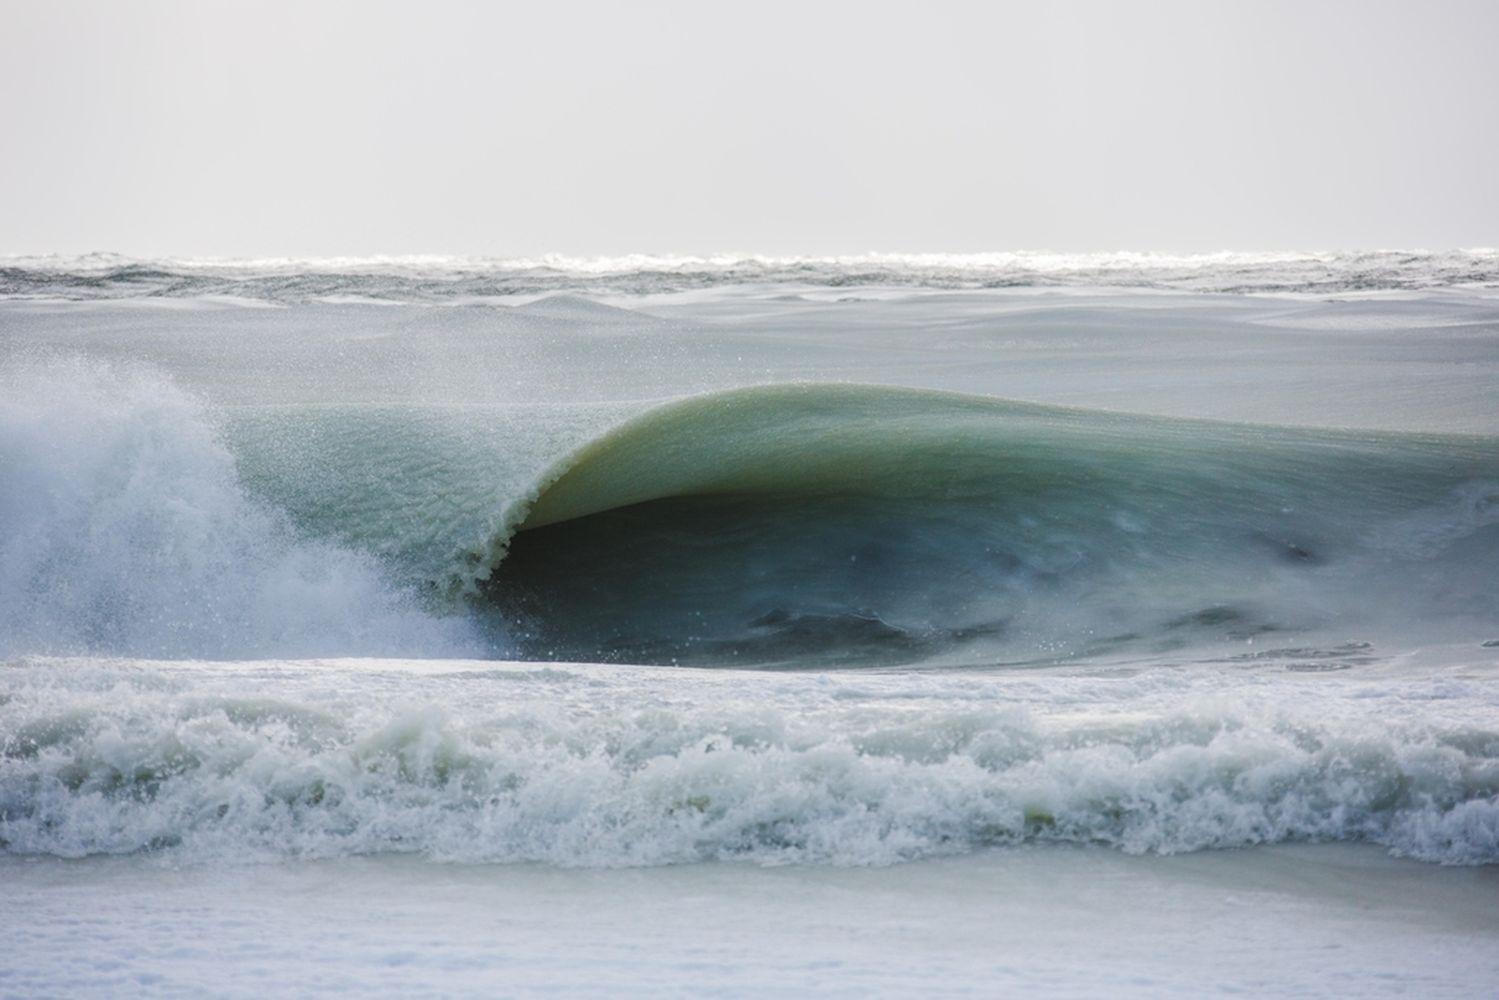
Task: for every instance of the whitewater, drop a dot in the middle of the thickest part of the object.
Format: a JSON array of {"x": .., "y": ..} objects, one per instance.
[{"x": 671, "y": 624}]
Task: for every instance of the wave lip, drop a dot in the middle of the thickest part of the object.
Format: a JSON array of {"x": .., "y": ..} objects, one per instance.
[{"x": 788, "y": 438}]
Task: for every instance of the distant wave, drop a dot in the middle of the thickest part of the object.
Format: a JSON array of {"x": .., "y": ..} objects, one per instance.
[{"x": 438, "y": 279}]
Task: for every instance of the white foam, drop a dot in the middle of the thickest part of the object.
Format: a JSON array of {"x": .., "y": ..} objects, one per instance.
[
  {"x": 598, "y": 767},
  {"x": 126, "y": 529}
]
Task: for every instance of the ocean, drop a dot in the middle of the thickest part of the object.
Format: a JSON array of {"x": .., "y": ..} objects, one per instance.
[{"x": 1116, "y": 624}]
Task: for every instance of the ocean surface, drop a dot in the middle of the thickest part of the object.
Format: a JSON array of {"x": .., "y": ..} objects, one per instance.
[{"x": 957, "y": 624}]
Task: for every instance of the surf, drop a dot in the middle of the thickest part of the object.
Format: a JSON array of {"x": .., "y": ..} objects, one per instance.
[{"x": 597, "y": 766}]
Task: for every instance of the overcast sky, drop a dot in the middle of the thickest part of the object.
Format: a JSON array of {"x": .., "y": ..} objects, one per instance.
[{"x": 308, "y": 128}]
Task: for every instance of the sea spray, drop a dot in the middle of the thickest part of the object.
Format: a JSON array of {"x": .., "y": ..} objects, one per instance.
[{"x": 126, "y": 530}]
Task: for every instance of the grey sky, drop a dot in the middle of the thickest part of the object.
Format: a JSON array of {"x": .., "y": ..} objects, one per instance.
[{"x": 208, "y": 128}]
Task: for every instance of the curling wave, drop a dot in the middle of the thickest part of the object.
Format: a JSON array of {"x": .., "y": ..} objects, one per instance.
[
  {"x": 872, "y": 524},
  {"x": 798, "y": 525}
]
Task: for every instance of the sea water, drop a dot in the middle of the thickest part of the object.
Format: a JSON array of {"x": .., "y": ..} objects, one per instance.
[{"x": 1097, "y": 623}]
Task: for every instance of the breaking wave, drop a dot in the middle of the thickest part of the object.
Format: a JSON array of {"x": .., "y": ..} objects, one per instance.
[
  {"x": 791, "y": 525},
  {"x": 597, "y": 767}
]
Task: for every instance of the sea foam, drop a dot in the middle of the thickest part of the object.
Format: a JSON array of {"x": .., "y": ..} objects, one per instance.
[{"x": 595, "y": 766}]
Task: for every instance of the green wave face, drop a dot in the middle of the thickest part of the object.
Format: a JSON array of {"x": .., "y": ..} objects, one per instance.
[
  {"x": 814, "y": 524},
  {"x": 798, "y": 525}
]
